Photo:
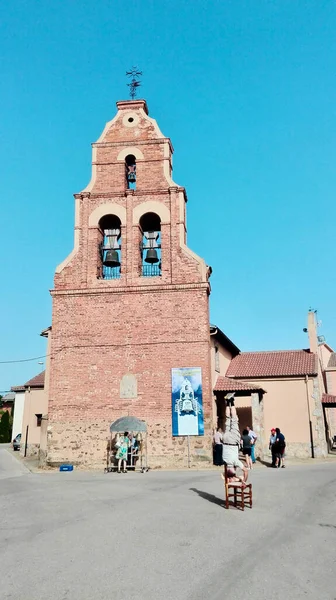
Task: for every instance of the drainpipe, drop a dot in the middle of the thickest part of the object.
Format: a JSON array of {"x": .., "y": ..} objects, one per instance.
[
  {"x": 213, "y": 416},
  {"x": 310, "y": 421}
]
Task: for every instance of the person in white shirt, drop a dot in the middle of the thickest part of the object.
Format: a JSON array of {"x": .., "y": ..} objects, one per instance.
[
  {"x": 218, "y": 447},
  {"x": 253, "y": 441},
  {"x": 272, "y": 441}
]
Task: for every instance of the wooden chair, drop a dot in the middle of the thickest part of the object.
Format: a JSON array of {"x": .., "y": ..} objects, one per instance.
[{"x": 241, "y": 495}]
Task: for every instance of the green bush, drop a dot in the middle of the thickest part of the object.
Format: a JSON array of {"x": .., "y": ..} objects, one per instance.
[{"x": 5, "y": 428}]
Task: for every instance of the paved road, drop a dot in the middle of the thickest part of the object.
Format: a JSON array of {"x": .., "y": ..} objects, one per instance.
[
  {"x": 10, "y": 466},
  {"x": 166, "y": 535}
]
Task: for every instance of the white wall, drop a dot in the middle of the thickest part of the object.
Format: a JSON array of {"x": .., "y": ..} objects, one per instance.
[{"x": 18, "y": 413}]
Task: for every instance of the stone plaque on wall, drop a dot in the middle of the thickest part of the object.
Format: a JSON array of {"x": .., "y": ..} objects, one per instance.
[{"x": 128, "y": 386}]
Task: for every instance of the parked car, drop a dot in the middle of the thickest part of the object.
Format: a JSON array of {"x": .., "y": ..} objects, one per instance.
[{"x": 17, "y": 442}]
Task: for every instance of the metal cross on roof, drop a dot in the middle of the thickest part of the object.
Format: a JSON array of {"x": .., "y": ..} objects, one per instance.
[{"x": 134, "y": 74}]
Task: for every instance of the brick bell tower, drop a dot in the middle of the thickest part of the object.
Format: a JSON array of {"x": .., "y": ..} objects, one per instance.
[{"x": 130, "y": 302}]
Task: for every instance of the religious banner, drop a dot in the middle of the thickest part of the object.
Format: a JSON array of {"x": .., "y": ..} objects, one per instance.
[{"x": 187, "y": 403}]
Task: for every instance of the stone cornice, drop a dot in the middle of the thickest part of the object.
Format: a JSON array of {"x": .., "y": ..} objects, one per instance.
[
  {"x": 121, "y": 195},
  {"x": 149, "y": 289},
  {"x": 136, "y": 143}
]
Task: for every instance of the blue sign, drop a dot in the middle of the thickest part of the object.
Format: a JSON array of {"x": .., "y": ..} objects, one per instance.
[{"x": 187, "y": 402}]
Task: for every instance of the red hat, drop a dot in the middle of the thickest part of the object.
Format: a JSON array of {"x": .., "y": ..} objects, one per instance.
[{"x": 273, "y": 429}]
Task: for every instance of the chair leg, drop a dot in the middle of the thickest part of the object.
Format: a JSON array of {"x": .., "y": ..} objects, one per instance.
[
  {"x": 235, "y": 496},
  {"x": 226, "y": 496},
  {"x": 243, "y": 499},
  {"x": 251, "y": 497}
]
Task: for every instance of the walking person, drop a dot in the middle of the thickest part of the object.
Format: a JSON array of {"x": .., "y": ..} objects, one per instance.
[
  {"x": 122, "y": 451},
  {"x": 218, "y": 447},
  {"x": 231, "y": 440},
  {"x": 247, "y": 448},
  {"x": 253, "y": 441},
  {"x": 279, "y": 449},
  {"x": 271, "y": 445}
]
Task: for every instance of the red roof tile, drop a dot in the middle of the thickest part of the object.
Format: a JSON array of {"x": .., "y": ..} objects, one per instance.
[
  {"x": 225, "y": 384},
  {"x": 332, "y": 360},
  {"x": 328, "y": 399},
  {"x": 37, "y": 381},
  {"x": 279, "y": 363},
  {"x": 18, "y": 388}
]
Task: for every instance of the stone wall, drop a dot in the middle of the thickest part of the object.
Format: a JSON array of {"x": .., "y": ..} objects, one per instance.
[
  {"x": 86, "y": 445},
  {"x": 32, "y": 450}
]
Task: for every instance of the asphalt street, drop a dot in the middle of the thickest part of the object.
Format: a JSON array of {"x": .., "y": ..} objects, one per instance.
[{"x": 166, "y": 535}]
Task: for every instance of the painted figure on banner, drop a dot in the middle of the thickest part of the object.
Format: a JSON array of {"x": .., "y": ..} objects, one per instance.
[{"x": 187, "y": 404}]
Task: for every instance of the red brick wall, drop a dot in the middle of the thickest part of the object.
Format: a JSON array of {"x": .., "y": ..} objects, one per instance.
[{"x": 102, "y": 330}]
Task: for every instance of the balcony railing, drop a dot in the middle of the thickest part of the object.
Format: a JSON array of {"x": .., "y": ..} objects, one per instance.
[
  {"x": 151, "y": 270},
  {"x": 111, "y": 272}
]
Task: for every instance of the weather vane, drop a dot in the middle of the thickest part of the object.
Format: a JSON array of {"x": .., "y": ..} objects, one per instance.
[{"x": 134, "y": 74}]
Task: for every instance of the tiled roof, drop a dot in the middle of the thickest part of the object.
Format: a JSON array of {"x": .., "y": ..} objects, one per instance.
[
  {"x": 332, "y": 360},
  {"x": 328, "y": 399},
  {"x": 279, "y": 363},
  {"x": 37, "y": 381},
  {"x": 18, "y": 388},
  {"x": 225, "y": 384},
  {"x": 10, "y": 397}
]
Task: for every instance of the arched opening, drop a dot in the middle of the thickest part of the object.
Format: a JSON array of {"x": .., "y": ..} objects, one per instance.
[
  {"x": 130, "y": 168},
  {"x": 150, "y": 246},
  {"x": 110, "y": 247}
]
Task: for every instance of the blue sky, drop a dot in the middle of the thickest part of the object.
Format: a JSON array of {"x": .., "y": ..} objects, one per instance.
[{"x": 245, "y": 90}]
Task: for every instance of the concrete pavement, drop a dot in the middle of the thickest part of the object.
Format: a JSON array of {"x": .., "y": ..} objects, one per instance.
[
  {"x": 166, "y": 535},
  {"x": 9, "y": 465}
]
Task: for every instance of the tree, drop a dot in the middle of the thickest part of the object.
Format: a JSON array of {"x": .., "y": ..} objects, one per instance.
[{"x": 5, "y": 428}]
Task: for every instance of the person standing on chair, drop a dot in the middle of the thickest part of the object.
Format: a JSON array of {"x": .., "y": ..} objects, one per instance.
[
  {"x": 253, "y": 441},
  {"x": 231, "y": 440}
]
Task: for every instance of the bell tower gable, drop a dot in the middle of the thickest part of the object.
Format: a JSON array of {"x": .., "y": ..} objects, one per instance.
[
  {"x": 131, "y": 133},
  {"x": 130, "y": 224}
]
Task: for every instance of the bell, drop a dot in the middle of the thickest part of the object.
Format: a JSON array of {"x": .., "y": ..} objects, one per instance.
[
  {"x": 131, "y": 177},
  {"x": 151, "y": 256},
  {"x": 111, "y": 259}
]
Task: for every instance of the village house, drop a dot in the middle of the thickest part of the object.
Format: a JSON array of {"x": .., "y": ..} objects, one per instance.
[{"x": 35, "y": 408}]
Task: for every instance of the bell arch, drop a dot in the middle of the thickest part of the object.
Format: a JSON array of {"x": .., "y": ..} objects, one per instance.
[
  {"x": 130, "y": 150},
  {"x": 150, "y": 246},
  {"x": 109, "y": 208},
  {"x": 109, "y": 246},
  {"x": 130, "y": 171},
  {"x": 152, "y": 206}
]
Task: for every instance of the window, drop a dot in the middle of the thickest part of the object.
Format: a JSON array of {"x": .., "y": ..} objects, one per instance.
[
  {"x": 217, "y": 367},
  {"x": 109, "y": 247},
  {"x": 150, "y": 245},
  {"x": 38, "y": 420},
  {"x": 130, "y": 166}
]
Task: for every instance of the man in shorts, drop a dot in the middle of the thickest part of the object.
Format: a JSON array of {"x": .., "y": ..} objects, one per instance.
[{"x": 231, "y": 442}]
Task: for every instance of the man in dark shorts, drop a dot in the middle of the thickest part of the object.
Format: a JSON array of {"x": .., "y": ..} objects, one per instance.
[
  {"x": 279, "y": 449},
  {"x": 247, "y": 449}
]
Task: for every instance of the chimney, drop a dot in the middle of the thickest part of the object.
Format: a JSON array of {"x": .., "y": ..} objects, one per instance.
[{"x": 312, "y": 332}]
